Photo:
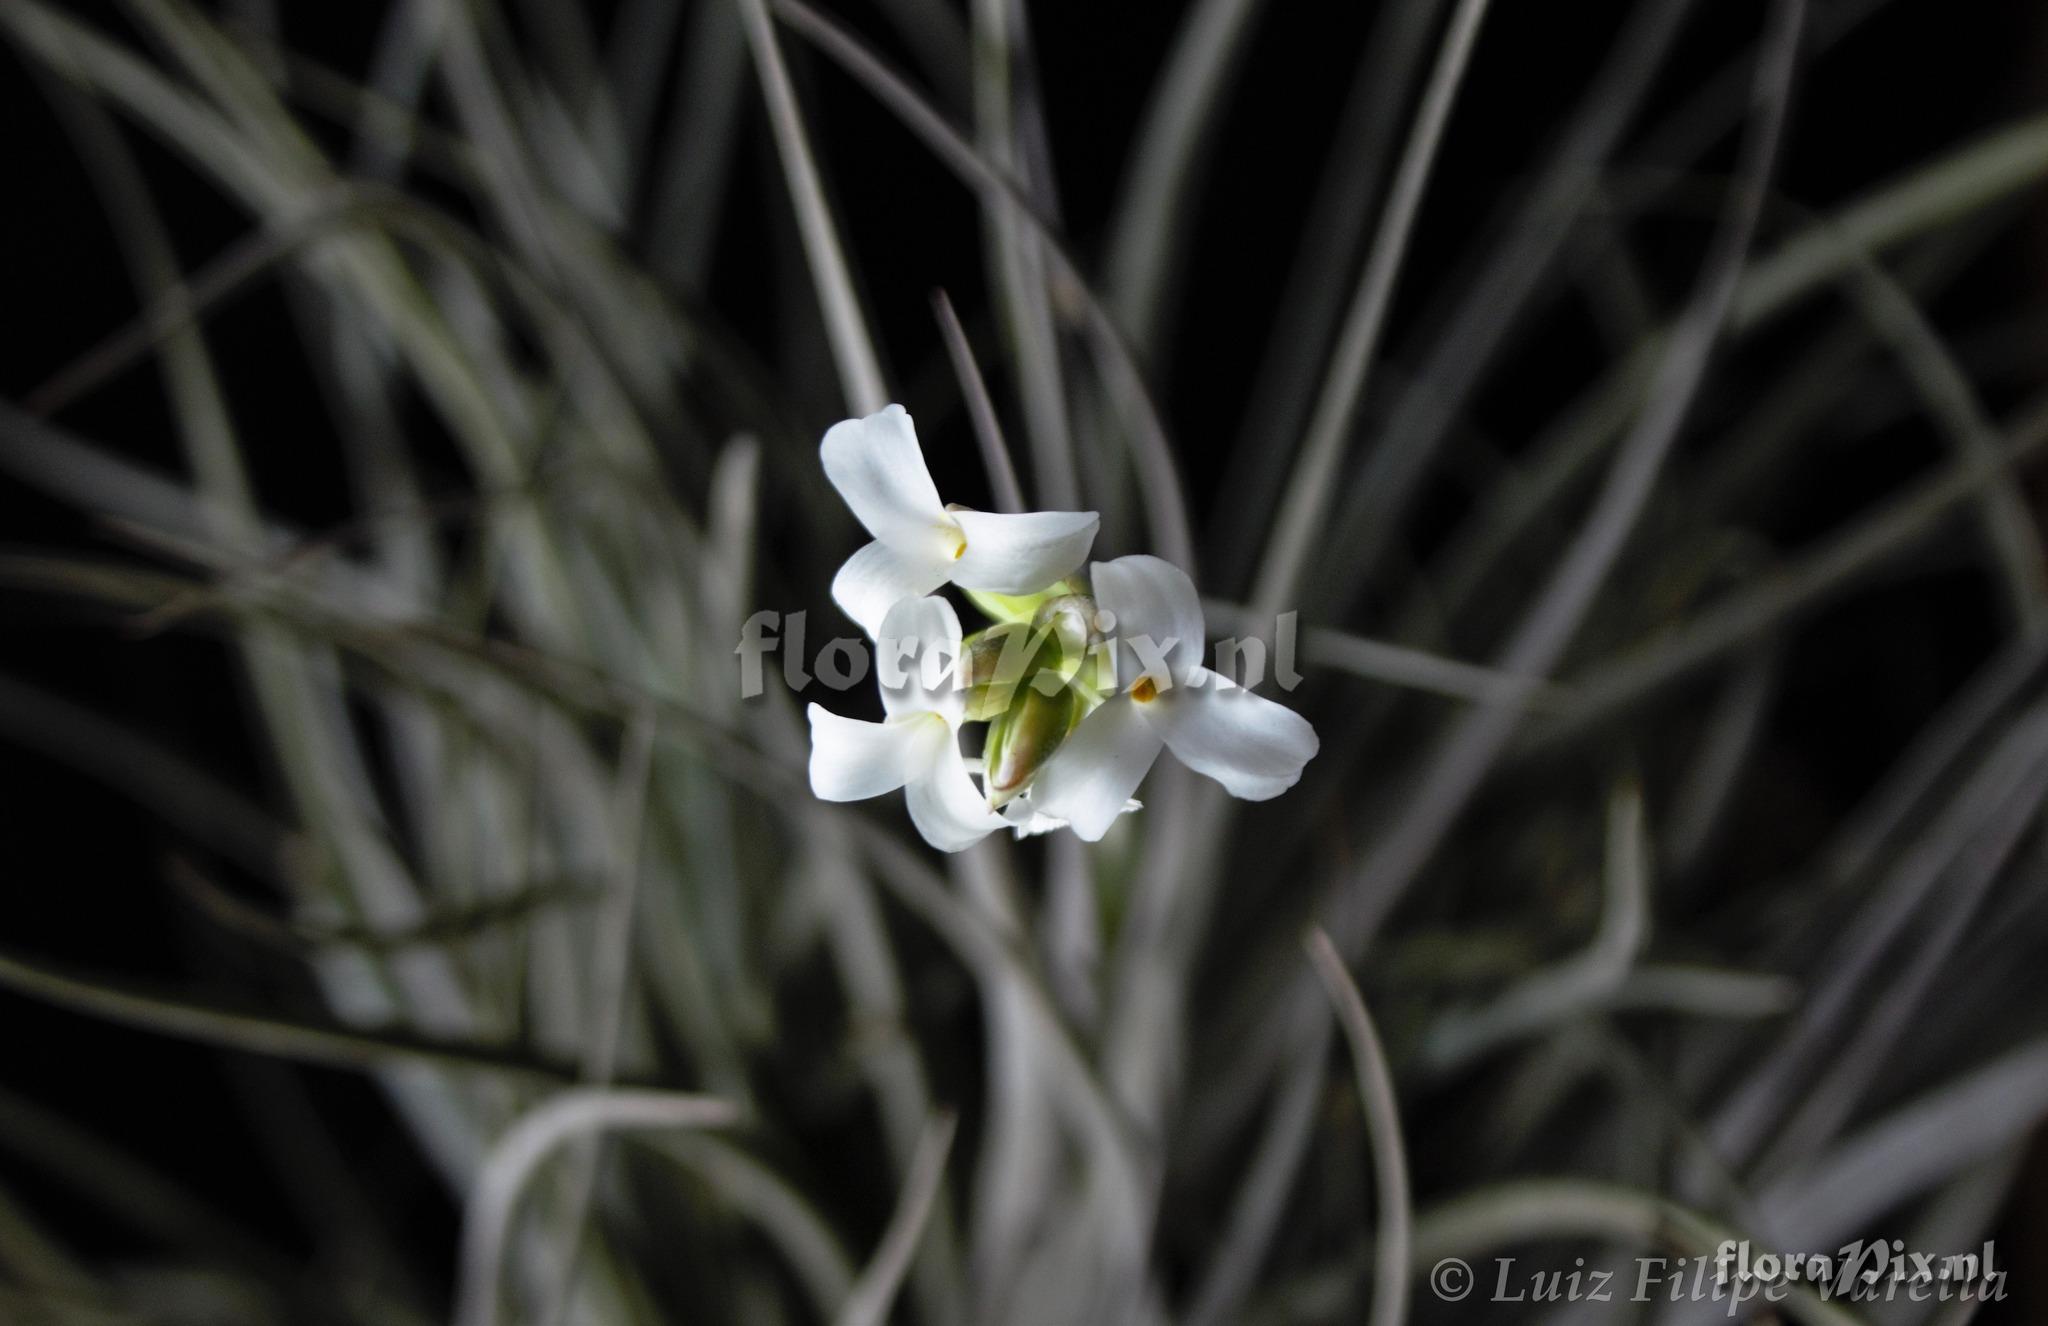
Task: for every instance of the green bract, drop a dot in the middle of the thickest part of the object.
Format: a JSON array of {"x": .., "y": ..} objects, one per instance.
[{"x": 1018, "y": 607}]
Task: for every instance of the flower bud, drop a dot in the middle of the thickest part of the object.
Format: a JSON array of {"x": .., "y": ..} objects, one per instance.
[
  {"x": 996, "y": 661},
  {"x": 1065, "y": 621},
  {"x": 1024, "y": 736},
  {"x": 992, "y": 663}
]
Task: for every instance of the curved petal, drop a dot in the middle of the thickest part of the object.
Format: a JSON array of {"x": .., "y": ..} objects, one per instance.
[
  {"x": 1251, "y": 745},
  {"x": 852, "y": 760},
  {"x": 947, "y": 807},
  {"x": 917, "y": 651},
  {"x": 1152, "y": 600},
  {"x": 1091, "y": 778},
  {"x": 1026, "y": 821},
  {"x": 877, "y": 578},
  {"x": 1022, "y": 554},
  {"x": 876, "y": 465}
]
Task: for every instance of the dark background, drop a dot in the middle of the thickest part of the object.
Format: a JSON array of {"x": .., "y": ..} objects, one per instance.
[{"x": 87, "y": 869}]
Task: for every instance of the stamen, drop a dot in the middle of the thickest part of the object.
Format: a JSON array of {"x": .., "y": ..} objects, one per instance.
[{"x": 1146, "y": 691}]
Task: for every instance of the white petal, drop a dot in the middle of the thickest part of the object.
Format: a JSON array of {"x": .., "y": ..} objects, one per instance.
[
  {"x": 1251, "y": 745},
  {"x": 878, "y": 577},
  {"x": 1027, "y": 821},
  {"x": 1151, "y": 599},
  {"x": 852, "y": 760},
  {"x": 919, "y": 639},
  {"x": 1087, "y": 782},
  {"x": 877, "y": 467},
  {"x": 947, "y": 807},
  {"x": 1024, "y": 553}
]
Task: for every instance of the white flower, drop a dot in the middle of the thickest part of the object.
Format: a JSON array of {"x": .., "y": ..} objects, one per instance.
[
  {"x": 920, "y": 543},
  {"x": 917, "y": 746},
  {"x": 1166, "y": 698}
]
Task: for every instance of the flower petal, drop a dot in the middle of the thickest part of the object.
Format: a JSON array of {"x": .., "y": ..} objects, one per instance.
[
  {"x": 1027, "y": 821},
  {"x": 852, "y": 760},
  {"x": 1096, "y": 770},
  {"x": 1151, "y": 599},
  {"x": 878, "y": 577},
  {"x": 1022, "y": 554},
  {"x": 1251, "y": 745},
  {"x": 919, "y": 640},
  {"x": 947, "y": 807},
  {"x": 876, "y": 465}
]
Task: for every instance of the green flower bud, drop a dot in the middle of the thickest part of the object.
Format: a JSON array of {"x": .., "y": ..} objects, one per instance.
[
  {"x": 981, "y": 654},
  {"x": 1085, "y": 661},
  {"x": 1024, "y": 736},
  {"x": 996, "y": 662},
  {"x": 1068, "y": 621}
]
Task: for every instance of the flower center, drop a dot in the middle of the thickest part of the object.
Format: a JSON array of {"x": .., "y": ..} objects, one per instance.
[
  {"x": 1146, "y": 691},
  {"x": 959, "y": 544}
]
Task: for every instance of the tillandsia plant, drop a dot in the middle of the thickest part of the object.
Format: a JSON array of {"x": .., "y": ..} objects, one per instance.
[
  {"x": 1637, "y": 406},
  {"x": 1081, "y": 682}
]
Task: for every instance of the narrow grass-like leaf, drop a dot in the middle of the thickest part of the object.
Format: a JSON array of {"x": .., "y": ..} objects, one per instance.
[
  {"x": 1612, "y": 686},
  {"x": 1581, "y": 981},
  {"x": 610, "y": 967},
  {"x": 488, "y": 1217},
  {"x": 1555, "y": 615},
  {"x": 988, "y": 430},
  {"x": 1166, "y": 508},
  {"x": 868, "y": 1304},
  {"x": 255, "y": 1032},
  {"x": 860, "y": 372},
  {"x": 1310, "y": 487},
  {"x": 1148, "y": 230},
  {"x": 1383, "y": 1123},
  {"x": 1512, "y": 271},
  {"x": 1915, "y": 1146},
  {"x": 1004, "y": 128},
  {"x": 781, "y": 1210}
]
